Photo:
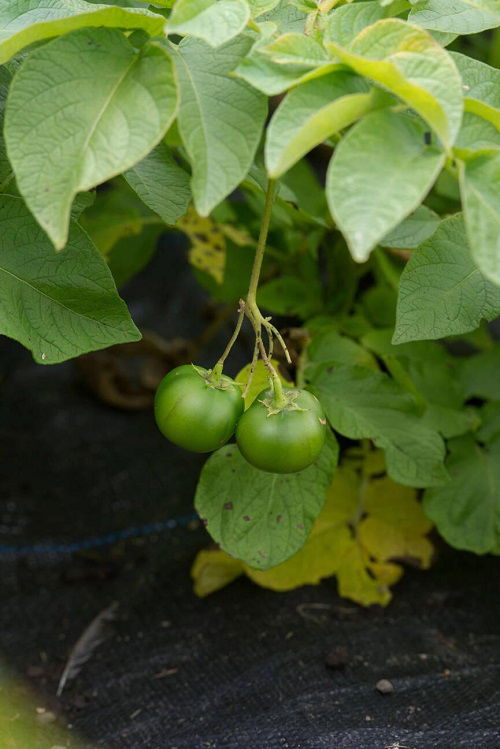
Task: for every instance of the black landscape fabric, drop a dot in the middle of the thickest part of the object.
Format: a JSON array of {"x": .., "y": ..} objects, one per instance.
[{"x": 245, "y": 668}]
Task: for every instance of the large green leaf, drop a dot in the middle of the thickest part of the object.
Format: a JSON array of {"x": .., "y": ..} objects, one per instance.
[
  {"x": 82, "y": 109},
  {"x": 410, "y": 63},
  {"x": 481, "y": 87},
  {"x": 367, "y": 184},
  {"x": 262, "y": 518},
  {"x": 410, "y": 233},
  {"x": 480, "y": 189},
  {"x": 457, "y": 16},
  {"x": 161, "y": 184},
  {"x": 346, "y": 22},
  {"x": 311, "y": 113},
  {"x": 59, "y": 305},
  {"x": 214, "y": 21},
  {"x": 23, "y": 23},
  {"x": 467, "y": 510},
  {"x": 361, "y": 403},
  {"x": 442, "y": 292},
  {"x": 220, "y": 118},
  {"x": 5, "y": 168}
]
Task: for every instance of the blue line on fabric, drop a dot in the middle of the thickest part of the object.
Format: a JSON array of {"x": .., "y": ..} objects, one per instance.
[{"x": 55, "y": 549}]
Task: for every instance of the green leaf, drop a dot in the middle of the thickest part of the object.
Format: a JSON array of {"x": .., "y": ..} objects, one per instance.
[
  {"x": 261, "y": 518},
  {"x": 367, "y": 184},
  {"x": 80, "y": 204},
  {"x": 490, "y": 429},
  {"x": 258, "y": 7},
  {"x": 115, "y": 102},
  {"x": 295, "y": 49},
  {"x": 364, "y": 404},
  {"x": 273, "y": 78},
  {"x": 456, "y": 16},
  {"x": 467, "y": 510},
  {"x": 68, "y": 300},
  {"x": 411, "y": 64},
  {"x": 214, "y": 21},
  {"x": 480, "y": 189},
  {"x": 260, "y": 379},
  {"x": 479, "y": 375},
  {"x": 328, "y": 346},
  {"x": 286, "y": 17},
  {"x": 161, "y": 184},
  {"x": 310, "y": 114},
  {"x": 130, "y": 254},
  {"x": 346, "y": 22},
  {"x": 424, "y": 369},
  {"x": 442, "y": 292},
  {"x": 379, "y": 305},
  {"x": 290, "y": 295},
  {"x": 481, "y": 84},
  {"x": 23, "y": 23},
  {"x": 5, "y": 167},
  {"x": 116, "y": 213},
  {"x": 410, "y": 233},
  {"x": 475, "y": 135},
  {"x": 220, "y": 118}
]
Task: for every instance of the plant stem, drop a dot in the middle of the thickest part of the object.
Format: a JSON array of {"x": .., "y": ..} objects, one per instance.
[
  {"x": 252, "y": 309},
  {"x": 261, "y": 244}
]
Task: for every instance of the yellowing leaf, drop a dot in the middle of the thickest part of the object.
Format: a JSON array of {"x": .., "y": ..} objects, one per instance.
[
  {"x": 213, "y": 569},
  {"x": 357, "y": 578},
  {"x": 366, "y": 522},
  {"x": 237, "y": 235},
  {"x": 319, "y": 557},
  {"x": 260, "y": 379},
  {"x": 208, "y": 251},
  {"x": 395, "y": 524}
]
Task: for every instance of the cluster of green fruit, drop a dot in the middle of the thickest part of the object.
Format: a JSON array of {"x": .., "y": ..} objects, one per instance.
[{"x": 200, "y": 411}]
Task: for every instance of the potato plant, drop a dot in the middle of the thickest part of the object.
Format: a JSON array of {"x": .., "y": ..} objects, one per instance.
[{"x": 333, "y": 162}]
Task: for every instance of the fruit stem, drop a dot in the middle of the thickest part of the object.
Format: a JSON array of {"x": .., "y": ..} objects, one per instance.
[{"x": 217, "y": 369}]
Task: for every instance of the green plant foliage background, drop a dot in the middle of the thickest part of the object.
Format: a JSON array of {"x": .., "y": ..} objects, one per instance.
[{"x": 384, "y": 264}]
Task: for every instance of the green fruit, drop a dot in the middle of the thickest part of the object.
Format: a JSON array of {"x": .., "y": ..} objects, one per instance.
[
  {"x": 196, "y": 413},
  {"x": 285, "y": 440}
]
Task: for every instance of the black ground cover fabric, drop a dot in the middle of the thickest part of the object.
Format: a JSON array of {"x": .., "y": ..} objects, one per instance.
[{"x": 245, "y": 668}]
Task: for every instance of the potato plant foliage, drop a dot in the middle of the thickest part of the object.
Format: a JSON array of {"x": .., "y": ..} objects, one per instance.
[{"x": 377, "y": 122}]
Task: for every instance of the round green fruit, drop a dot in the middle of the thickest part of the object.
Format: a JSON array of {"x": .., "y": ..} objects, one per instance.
[
  {"x": 282, "y": 440},
  {"x": 196, "y": 413}
]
